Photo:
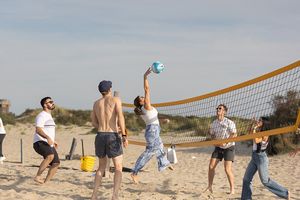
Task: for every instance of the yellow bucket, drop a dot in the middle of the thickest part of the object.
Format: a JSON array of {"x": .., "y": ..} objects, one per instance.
[{"x": 87, "y": 163}]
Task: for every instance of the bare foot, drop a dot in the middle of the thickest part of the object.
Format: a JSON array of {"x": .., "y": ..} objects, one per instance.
[
  {"x": 114, "y": 197},
  {"x": 208, "y": 189},
  {"x": 94, "y": 196},
  {"x": 135, "y": 178},
  {"x": 170, "y": 167},
  {"x": 38, "y": 179},
  {"x": 231, "y": 192}
]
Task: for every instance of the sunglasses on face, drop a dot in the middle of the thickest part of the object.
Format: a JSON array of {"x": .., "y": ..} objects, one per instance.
[{"x": 50, "y": 102}]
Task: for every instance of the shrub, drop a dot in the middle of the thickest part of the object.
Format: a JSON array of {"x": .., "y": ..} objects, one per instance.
[
  {"x": 285, "y": 113},
  {"x": 8, "y": 118}
]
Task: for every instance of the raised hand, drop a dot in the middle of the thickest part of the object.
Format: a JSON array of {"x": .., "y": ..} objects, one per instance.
[{"x": 148, "y": 72}]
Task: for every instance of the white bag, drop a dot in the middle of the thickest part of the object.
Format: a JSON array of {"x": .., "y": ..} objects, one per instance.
[{"x": 171, "y": 155}]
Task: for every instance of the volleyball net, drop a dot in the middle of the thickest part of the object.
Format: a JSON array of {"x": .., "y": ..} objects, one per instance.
[{"x": 186, "y": 123}]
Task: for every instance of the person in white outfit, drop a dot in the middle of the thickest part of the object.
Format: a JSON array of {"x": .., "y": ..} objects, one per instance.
[
  {"x": 2, "y": 136},
  {"x": 44, "y": 141}
]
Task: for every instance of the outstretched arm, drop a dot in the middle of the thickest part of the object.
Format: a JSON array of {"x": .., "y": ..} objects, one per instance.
[{"x": 147, "y": 104}]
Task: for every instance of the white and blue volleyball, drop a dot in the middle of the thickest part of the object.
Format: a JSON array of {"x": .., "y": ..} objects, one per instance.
[{"x": 157, "y": 67}]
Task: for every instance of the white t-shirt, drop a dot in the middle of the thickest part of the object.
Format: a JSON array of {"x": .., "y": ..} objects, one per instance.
[
  {"x": 150, "y": 116},
  {"x": 45, "y": 121},
  {"x": 222, "y": 130},
  {"x": 2, "y": 130}
]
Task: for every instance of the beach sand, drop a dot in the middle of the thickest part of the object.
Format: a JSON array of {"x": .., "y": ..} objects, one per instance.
[{"x": 187, "y": 181}]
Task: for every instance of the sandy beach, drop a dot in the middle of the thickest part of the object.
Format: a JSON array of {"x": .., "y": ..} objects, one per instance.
[{"x": 187, "y": 181}]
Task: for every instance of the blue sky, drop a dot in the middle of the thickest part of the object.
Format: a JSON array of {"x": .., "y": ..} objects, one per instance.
[{"x": 63, "y": 48}]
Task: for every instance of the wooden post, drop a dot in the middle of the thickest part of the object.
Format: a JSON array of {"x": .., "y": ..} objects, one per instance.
[
  {"x": 72, "y": 149},
  {"x": 21, "y": 142},
  {"x": 82, "y": 148}
]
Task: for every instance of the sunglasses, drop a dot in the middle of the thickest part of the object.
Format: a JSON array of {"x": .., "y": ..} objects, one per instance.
[{"x": 50, "y": 102}]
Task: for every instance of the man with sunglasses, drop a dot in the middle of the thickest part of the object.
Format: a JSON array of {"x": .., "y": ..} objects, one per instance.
[
  {"x": 44, "y": 141},
  {"x": 222, "y": 128}
]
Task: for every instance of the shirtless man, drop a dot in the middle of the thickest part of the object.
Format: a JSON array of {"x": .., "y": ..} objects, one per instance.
[{"x": 106, "y": 116}]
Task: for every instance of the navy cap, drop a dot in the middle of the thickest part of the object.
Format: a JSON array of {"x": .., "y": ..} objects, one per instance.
[{"x": 104, "y": 86}]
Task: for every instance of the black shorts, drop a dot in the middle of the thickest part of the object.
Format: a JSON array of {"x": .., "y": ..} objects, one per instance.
[
  {"x": 108, "y": 144},
  {"x": 227, "y": 154},
  {"x": 44, "y": 149}
]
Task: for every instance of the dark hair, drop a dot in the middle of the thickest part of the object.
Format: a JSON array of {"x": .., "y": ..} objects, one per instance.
[
  {"x": 266, "y": 123},
  {"x": 43, "y": 100},
  {"x": 265, "y": 127},
  {"x": 138, "y": 106},
  {"x": 225, "y": 107}
]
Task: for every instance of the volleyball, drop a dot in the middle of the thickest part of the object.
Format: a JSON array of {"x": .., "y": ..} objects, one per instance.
[{"x": 157, "y": 67}]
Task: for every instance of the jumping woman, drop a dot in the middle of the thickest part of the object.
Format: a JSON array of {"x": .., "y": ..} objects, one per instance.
[{"x": 154, "y": 143}]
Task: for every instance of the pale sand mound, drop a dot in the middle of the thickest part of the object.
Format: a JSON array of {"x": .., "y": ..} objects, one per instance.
[{"x": 187, "y": 181}]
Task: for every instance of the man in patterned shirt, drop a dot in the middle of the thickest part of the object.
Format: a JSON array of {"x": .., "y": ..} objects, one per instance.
[{"x": 222, "y": 128}]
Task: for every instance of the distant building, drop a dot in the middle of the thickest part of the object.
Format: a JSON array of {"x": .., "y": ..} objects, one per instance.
[{"x": 4, "y": 106}]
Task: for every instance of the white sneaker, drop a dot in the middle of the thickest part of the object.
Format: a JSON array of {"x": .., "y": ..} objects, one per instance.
[{"x": 2, "y": 158}]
